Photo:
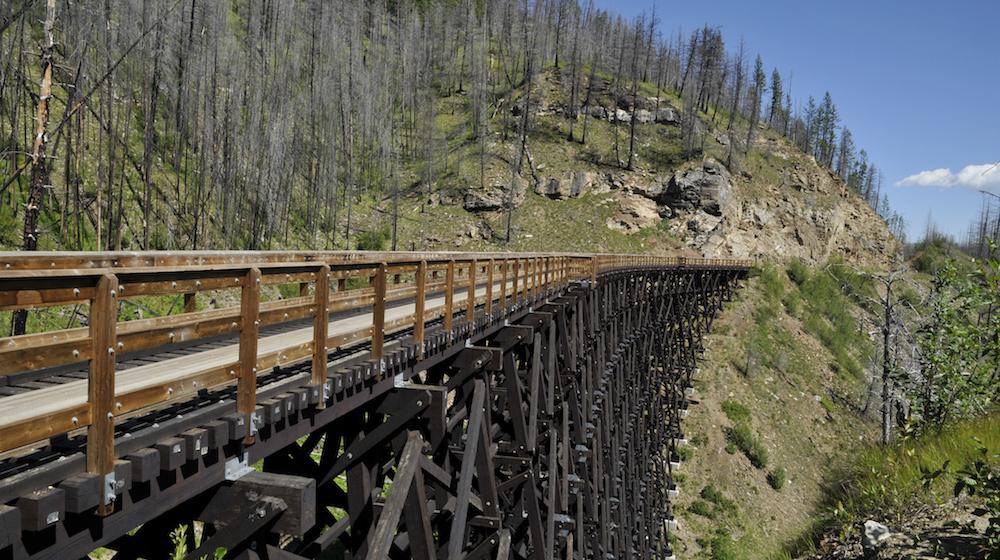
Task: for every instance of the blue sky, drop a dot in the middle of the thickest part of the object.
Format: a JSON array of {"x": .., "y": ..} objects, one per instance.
[{"x": 917, "y": 82}]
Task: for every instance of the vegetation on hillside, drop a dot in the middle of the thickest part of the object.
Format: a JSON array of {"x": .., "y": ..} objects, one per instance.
[
  {"x": 255, "y": 124},
  {"x": 780, "y": 409}
]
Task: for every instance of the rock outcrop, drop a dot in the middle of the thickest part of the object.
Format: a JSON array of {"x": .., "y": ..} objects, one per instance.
[
  {"x": 636, "y": 212},
  {"x": 667, "y": 115},
  {"x": 568, "y": 185},
  {"x": 708, "y": 188},
  {"x": 493, "y": 197}
]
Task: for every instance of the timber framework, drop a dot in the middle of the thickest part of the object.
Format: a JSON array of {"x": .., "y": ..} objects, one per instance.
[{"x": 358, "y": 405}]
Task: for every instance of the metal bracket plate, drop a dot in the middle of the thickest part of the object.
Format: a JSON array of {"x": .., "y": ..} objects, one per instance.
[{"x": 237, "y": 467}]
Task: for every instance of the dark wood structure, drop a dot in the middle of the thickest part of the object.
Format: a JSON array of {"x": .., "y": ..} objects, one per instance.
[{"x": 395, "y": 405}]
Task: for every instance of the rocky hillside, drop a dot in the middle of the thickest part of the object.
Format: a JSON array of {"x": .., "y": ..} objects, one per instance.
[{"x": 774, "y": 204}]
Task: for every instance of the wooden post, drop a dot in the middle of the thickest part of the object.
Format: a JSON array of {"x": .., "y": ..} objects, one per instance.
[
  {"x": 527, "y": 280},
  {"x": 246, "y": 386},
  {"x": 593, "y": 271},
  {"x": 101, "y": 382},
  {"x": 190, "y": 303},
  {"x": 320, "y": 326},
  {"x": 341, "y": 285},
  {"x": 517, "y": 272},
  {"x": 503, "y": 285},
  {"x": 536, "y": 277},
  {"x": 303, "y": 289},
  {"x": 547, "y": 276},
  {"x": 418, "y": 307},
  {"x": 470, "y": 301},
  {"x": 489, "y": 288},
  {"x": 378, "y": 314},
  {"x": 449, "y": 296}
]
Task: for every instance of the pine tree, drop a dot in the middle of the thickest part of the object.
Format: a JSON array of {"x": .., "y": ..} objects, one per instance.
[
  {"x": 756, "y": 92},
  {"x": 776, "y": 93}
]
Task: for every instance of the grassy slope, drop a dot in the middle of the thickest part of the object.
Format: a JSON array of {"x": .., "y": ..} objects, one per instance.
[{"x": 793, "y": 402}]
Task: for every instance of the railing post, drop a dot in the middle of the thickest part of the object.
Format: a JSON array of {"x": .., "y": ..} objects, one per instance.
[
  {"x": 546, "y": 279},
  {"x": 420, "y": 299},
  {"x": 470, "y": 302},
  {"x": 101, "y": 384},
  {"x": 517, "y": 272},
  {"x": 378, "y": 314},
  {"x": 529, "y": 281},
  {"x": 246, "y": 385},
  {"x": 320, "y": 326},
  {"x": 449, "y": 297},
  {"x": 190, "y": 303},
  {"x": 593, "y": 270},
  {"x": 539, "y": 277},
  {"x": 503, "y": 286},
  {"x": 489, "y": 288}
]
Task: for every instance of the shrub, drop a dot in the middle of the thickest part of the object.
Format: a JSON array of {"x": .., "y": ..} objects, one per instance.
[
  {"x": 771, "y": 283},
  {"x": 373, "y": 240},
  {"x": 735, "y": 411},
  {"x": 712, "y": 494},
  {"x": 744, "y": 439},
  {"x": 702, "y": 508},
  {"x": 776, "y": 478},
  {"x": 684, "y": 453},
  {"x": 893, "y": 479},
  {"x": 724, "y": 548},
  {"x": 797, "y": 272}
]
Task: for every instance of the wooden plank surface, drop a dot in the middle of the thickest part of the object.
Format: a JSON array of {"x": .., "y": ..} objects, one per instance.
[{"x": 149, "y": 378}]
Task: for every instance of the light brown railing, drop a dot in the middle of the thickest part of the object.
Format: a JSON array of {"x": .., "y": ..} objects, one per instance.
[{"x": 339, "y": 281}]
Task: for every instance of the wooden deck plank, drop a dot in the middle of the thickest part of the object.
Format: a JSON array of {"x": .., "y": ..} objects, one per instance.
[{"x": 38, "y": 403}]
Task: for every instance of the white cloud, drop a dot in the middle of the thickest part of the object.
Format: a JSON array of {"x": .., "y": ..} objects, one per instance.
[{"x": 985, "y": 176}]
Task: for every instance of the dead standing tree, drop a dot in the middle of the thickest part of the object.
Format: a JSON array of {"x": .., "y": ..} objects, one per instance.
[{"x": 39, "y": 166}]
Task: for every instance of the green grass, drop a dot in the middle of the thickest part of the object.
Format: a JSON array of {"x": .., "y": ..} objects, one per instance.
[
  {"x": 735, "y": 411},
  {"x": 702, "y": 508},
  {"x": 743, "y": 438},
  {"x": 890, "y": 480},
  {"x": 712, "y": 494},
  {"x": 798, "y": 272},
  {"x": 828, "y": 297},
  {"x": 777, "y": 478}
]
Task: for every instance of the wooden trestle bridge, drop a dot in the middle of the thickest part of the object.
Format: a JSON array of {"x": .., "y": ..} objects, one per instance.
[{"x": 390, "y": 405}]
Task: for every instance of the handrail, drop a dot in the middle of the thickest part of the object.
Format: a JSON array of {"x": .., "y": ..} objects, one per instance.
[{"x": 340, "y": 281}]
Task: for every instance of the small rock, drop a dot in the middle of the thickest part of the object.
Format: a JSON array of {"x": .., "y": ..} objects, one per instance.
[{"x": 874, "y": 535}]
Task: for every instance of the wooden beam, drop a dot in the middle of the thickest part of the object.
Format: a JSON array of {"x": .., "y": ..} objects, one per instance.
[
  {"x": 321, "y": 323},
  {"x": 101, "y": 381},
  {"x": 378, "y": 314},
  {"x": 419, "y": 303},
  {"x": 489, "y": 288},
  {"x": 470, "y": 299},
  {"x": 246, "y": 387},
  {"x": 449, "y": 297}
]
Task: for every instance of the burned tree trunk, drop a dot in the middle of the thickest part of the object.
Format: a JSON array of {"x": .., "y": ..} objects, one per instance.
[{"x": 39, "y": 166}]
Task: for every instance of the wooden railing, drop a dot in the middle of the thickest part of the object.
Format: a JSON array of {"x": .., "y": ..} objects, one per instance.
[{"x": 328, "y": 282}]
